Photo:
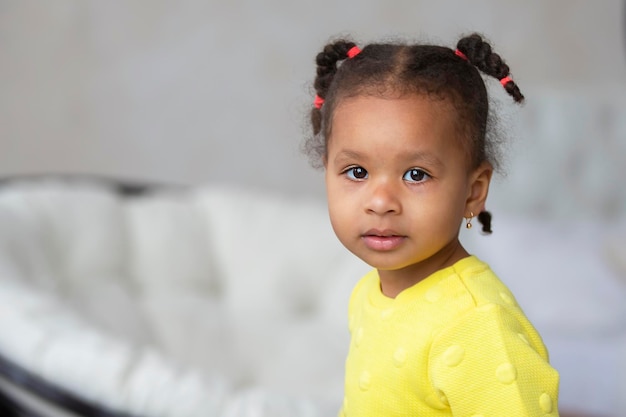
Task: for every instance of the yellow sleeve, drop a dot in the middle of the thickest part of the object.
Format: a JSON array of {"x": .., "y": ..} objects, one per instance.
[
  {"x": 353, "y": 305},
  {"x": 491, "y": 363},
  {"x": 359, "y": 292}
]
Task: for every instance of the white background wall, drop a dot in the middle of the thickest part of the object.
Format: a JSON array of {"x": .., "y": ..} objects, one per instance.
[{"x": 198, "y": 91}]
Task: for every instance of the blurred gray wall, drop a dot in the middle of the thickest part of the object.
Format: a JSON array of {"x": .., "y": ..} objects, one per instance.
[{"x": 197, "y": 91}]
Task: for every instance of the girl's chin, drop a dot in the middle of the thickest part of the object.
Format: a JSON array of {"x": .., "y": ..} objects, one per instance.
[{"x": 385, "y": 264}]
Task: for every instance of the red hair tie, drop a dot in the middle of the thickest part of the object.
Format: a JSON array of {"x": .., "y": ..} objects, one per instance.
[
  {"x": 504, "y": 81},
  {"x": 318, "y": 102},
  {"x": 352, "y": 52},
  {"x": 460, "y": 54}
]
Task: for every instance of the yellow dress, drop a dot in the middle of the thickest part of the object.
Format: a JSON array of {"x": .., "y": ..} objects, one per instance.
[{"x": 455, "y": 344}]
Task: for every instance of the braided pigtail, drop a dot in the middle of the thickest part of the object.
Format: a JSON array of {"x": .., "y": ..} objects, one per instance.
[
  {"x": 478, "y": 52},
  {"x": 327, "y": 62},
  {"x": 484, "y": 217}
]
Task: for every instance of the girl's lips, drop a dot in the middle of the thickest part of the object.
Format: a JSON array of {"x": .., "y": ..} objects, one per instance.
[{"x": 382, "y": 240}]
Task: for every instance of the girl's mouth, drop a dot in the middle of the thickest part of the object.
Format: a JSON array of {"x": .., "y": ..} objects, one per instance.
[{"x": 382, "y": 240}]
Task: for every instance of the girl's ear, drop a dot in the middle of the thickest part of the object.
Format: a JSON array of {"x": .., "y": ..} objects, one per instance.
[{"x": 480, "y": 179}]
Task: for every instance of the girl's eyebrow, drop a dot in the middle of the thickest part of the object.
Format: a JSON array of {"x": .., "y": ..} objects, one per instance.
[
  {"x": 347, "y": 155},
  {"x": 427, "y": 158},
  {"x": 424, "y": 157}
]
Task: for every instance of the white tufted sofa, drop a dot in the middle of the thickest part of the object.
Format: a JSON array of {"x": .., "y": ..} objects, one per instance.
[
  {"x": 217, "y": 301},
  {"x": 174, "y": 303}
]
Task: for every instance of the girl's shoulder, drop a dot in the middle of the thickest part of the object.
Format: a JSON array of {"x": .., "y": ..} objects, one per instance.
[{"x": 482, "y": 284}]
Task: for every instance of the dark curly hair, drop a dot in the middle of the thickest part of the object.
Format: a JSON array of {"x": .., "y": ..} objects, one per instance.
[{"x": 398, "y": 69}]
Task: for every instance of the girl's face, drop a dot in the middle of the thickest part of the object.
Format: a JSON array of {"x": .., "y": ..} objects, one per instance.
[{"x": 399, "y": 183}]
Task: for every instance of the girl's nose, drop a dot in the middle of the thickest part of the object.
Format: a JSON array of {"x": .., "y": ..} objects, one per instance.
[{"x": 383, "y": 199}]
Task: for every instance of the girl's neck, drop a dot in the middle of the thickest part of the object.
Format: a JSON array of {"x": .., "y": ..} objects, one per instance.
[{"x": 393, "y": 282}]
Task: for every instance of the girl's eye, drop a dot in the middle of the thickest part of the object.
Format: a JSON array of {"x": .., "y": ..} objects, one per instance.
[
  {"x": 356, "y": 173},
  {"x": 415, "y": 175}
]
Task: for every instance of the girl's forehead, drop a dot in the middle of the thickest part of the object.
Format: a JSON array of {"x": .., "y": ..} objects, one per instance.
[
  {"x": 395, "y": 103},
  {"x": 400, "y": 129},
  {"x": 409, "y": 125},
  {"x": 416, "y": 114}
]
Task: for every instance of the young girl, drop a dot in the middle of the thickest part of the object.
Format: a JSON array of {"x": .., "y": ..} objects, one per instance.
[{"x": 400, "y": 130}]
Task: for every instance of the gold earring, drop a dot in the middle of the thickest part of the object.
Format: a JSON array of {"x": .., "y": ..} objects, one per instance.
[{"x": 468, "y": 220}]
